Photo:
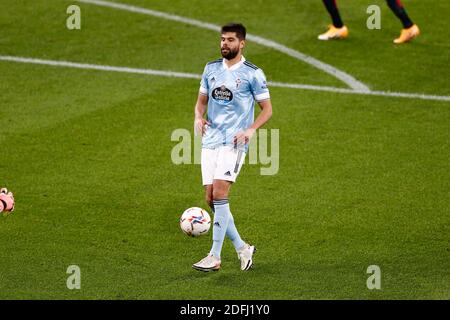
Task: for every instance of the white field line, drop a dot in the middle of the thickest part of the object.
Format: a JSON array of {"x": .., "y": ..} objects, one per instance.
[
  {"x": 341, "y": 75},
  {"x": 88, "y": 66},
  {"x": 370, "y": 93},
  {"x": 198, "y": 76}
]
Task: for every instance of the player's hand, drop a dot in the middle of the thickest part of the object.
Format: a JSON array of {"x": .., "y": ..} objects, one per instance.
[
  {"x": 7, "y": 200},
  {"x": 243, "y": 137},
  {"x": 200, "y": 126}
]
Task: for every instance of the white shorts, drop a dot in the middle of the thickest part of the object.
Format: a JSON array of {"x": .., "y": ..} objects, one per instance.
[{"x": 222, "y": 163}]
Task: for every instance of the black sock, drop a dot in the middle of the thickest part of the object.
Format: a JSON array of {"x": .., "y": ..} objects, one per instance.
[
  {"x": 334, "y": 12},
  {"x": 397, "y": 7}
]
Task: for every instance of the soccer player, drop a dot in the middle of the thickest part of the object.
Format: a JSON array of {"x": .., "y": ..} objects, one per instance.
[
  {"x": 6, "y": 200},
  {"x": 228, "y": 90},
  {"x": 339, "y": 31}
]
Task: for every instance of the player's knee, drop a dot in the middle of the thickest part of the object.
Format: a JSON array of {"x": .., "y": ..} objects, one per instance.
[
  {"x": 220, "y": 194},
  {"x": 221, "y": 189}
]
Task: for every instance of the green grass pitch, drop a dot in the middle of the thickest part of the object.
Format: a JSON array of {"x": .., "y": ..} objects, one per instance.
[{"x": 363, "y": 180}]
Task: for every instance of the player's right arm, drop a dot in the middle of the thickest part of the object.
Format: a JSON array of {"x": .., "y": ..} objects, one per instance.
[
  {"x": 200, "y": 109},
  {"x": 201, "y": 105}
]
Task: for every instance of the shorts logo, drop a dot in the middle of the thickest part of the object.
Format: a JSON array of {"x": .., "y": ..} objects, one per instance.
[
  {"x": 222, "y": 95},
  {"x": 227, "y": 173}
]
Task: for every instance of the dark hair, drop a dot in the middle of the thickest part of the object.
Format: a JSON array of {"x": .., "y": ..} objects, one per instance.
[{"x": 238, "y": 28}]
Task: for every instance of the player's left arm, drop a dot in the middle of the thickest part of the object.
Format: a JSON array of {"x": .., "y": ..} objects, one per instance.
[
  {"x": 264, "y": 116},
  {"x": 261, "y": 94}
]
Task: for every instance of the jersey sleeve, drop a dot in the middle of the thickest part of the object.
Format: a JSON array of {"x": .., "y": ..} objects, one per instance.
[
  {"x": 204, "y": 88},
  {"x": 259, "y": 86}
]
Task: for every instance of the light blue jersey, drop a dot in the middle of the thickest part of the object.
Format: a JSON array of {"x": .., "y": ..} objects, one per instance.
[{"x": 232, "y": 93}]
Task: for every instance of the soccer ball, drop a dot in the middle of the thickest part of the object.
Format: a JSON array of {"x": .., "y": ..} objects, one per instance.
[{"x": 195, "y": 222}]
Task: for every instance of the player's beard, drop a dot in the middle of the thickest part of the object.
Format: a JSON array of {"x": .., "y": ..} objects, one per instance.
[{"x": 230, "y": 53}]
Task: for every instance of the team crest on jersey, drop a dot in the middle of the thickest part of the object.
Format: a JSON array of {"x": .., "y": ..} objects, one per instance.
[
  {"x": 238, "y": 83},
  {"x": 222, "y": 95}
]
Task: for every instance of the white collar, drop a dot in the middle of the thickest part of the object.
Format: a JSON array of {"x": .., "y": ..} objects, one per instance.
[{"x": 234, "y": 66}]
